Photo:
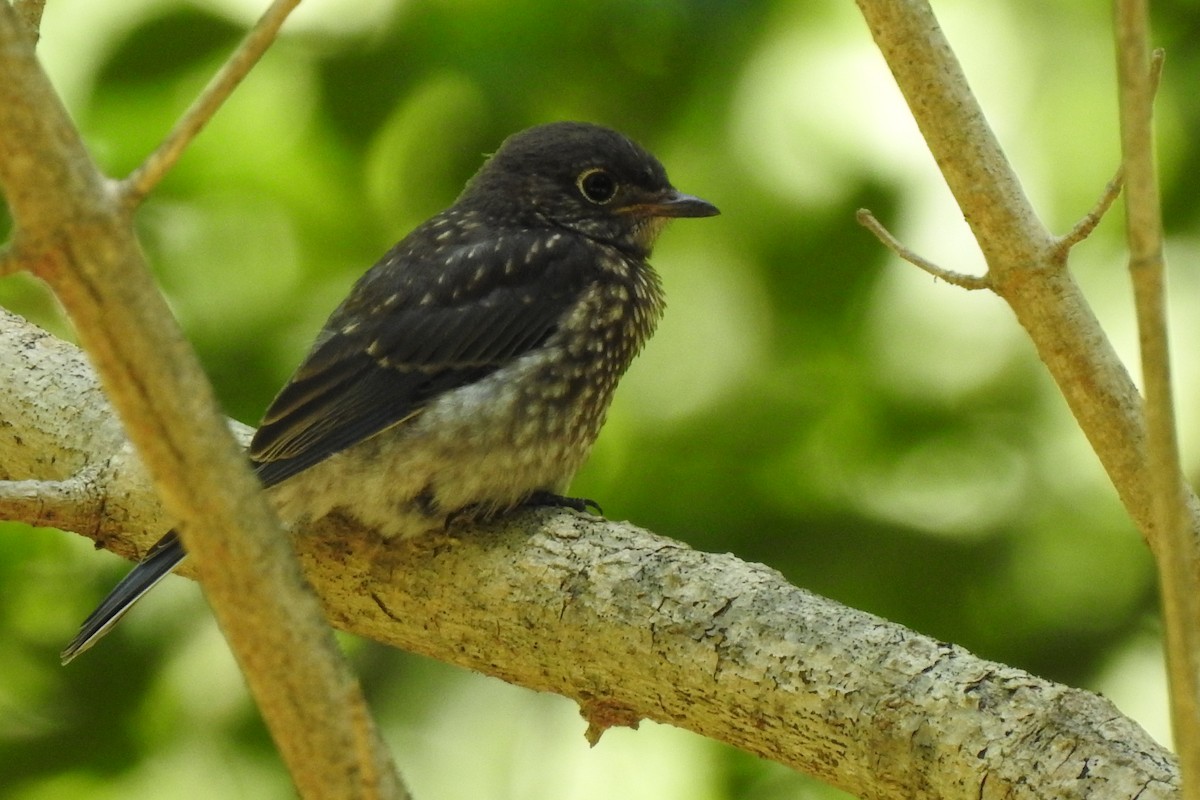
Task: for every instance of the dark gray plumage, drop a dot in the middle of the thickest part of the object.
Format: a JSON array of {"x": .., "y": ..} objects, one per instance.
[{"x": 468, "y": 371}]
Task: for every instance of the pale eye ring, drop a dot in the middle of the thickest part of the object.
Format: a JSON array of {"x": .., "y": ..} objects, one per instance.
[{"x": 596, "y": 186}]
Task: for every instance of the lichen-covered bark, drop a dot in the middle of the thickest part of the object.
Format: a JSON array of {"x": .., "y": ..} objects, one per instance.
[{"x": 635, "y": 626}]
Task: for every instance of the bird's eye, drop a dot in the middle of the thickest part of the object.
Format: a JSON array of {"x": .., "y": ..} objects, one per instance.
[{"x": 596, "y": 186}]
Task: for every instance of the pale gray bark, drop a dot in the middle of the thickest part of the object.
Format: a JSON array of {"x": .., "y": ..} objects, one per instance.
[{"x": 629, "y": 624}]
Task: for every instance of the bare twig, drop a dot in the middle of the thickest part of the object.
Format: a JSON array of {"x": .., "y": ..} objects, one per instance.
[
  {"x": 1112, "y": 189},
  {"x": 1176, "y": 554},
  {"x": 1084, "y": 227},
  {"x": 963, "y": 281},
  {"x": 133, "y": 189}
]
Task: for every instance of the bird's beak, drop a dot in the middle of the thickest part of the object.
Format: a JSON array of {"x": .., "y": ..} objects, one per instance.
[{"x": 672, "y": 203}]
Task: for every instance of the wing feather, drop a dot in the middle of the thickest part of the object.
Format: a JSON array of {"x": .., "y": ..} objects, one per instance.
[{"x": 403, "y": 337}]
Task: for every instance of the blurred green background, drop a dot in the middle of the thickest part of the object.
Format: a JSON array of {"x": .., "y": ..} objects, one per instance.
[{"x": 809, "y": 401}]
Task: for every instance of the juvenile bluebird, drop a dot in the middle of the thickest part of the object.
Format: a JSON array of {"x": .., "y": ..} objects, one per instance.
[{"x": 468, "y": 372}]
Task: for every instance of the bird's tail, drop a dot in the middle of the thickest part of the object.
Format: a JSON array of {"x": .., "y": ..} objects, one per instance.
[{"x": 163, "y": 557}]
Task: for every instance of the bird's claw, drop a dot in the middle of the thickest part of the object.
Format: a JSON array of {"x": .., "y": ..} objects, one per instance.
[{"x": 552, "y": 500}]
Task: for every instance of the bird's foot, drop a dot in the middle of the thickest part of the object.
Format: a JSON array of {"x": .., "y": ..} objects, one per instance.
[
  {"x": 467, "y": 515},
  {"x": 483, "y": 512},
  {"x": 559, "y": 501}
]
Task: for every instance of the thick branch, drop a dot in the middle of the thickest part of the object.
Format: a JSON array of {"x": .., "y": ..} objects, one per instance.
[
  {"x": 1026, "y": 265},
  {"x": 634, "y": 626},
  {"x": 70, "y": 231}
]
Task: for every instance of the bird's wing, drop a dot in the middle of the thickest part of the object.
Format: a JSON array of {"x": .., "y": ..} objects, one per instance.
[
  {"x": 163, "y": 557},
  {"x": 401, "y": 338},
  {"x": 416, "y": 326}
]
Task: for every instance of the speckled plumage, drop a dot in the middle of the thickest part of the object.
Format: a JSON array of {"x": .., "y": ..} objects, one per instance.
[{"x": 471, "y": 368}]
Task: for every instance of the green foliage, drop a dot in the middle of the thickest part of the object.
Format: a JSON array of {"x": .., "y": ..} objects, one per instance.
[{"x": 809, "y": 402}]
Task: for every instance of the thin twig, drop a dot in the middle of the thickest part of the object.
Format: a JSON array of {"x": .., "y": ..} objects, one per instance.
[
  {"x": 1157, "y": 56},
  {"x": 1174, "y": 547},
  {"x": 1112, "y": 189},
  {"x": 1084, "y": 227},
  {"x": 142, "y": 180},
  {"x": 961, "y": 280}
]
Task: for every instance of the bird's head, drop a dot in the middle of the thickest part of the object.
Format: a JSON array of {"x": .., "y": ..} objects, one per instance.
[{"x": 584, "y": 178}]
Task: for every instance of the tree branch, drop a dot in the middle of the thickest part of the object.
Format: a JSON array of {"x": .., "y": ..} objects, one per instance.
[
  {"x": 143, "y": 179},
  {"x": 70, "y": 231},
  {"x": 1026, "y": 264},
  {"x": 632, "y": 625},
  {"x": 1176, "y": 555},
  {"x": 1028, "y": 269},
  {"x": 959, "y": 279},
  {"x": 1084, "y": 227}
]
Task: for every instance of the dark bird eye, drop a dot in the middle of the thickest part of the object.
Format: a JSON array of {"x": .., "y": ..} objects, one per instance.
[{"x": 596, "y": 186}]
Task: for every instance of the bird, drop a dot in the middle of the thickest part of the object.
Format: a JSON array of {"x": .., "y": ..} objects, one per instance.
[{"x": 469, "y": 371}]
